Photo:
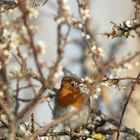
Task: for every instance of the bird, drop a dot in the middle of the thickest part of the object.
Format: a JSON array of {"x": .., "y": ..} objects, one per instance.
[{"x": 70, "y": 97}]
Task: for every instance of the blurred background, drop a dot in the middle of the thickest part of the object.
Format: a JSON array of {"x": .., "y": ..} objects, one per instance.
[{"x": 45, "y": 20}]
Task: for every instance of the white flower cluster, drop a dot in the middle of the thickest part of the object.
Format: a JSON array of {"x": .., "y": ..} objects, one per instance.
[
  {"x": 1, "y": 94},
  {"x": 42, "y": 47},
  {"x": 59, "y": 72},
  {"x": 64, "y": 12},
  {"x": 98, "y": 91},
  {"x": 64, "y": 8},
  {"x": 85, "y": 13},
  {"x": 24, "y": 129},
  {"x": 33, "y": 13},
  {"x": 77, "y": 23},
  {"x": 83, "y": 86},
  {"x": 3, "y": 119},
  {"x": 85, "y": 36},
  {"x": 84, "y": 89}
]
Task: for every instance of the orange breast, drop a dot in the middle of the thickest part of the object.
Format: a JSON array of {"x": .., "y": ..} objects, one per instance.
[{"x": 68, "y": 97}]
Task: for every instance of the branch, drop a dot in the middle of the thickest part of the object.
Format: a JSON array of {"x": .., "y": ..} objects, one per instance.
[
  {"x": 125, "y": 105},
  {"x": 30, "y": 105},
  {"x": 24, "y": 10},
  {"x": 109, "y": 131},
  {"x": 137, "y": 53}
]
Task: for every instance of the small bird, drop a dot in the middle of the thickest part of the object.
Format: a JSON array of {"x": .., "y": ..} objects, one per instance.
[{"x": 69, "y": 98}]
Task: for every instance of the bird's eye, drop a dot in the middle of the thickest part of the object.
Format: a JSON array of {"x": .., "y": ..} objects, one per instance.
[{"x": 73, "y": 84}]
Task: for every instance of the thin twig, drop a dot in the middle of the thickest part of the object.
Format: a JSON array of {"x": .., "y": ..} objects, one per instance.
[
  {"x": 32, "y": 123},
  {"x": 137, "y": 53},
  {"x": 125, "y": 105},
  {"x": 60, "y": 51},
  {"x": 23, "y": 9},
  {"x": 16, "y": 97},
  {"x": 25, "y": 87},
  {"x": 45, "y": 2},
  {"x": 30, "y": 105},
  {"x": 121, "y": 79},
  {"x": 45, "y": 128}
]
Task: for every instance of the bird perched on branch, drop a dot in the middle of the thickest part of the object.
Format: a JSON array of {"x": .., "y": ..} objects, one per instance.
[{"x": 71, "y": 97}]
